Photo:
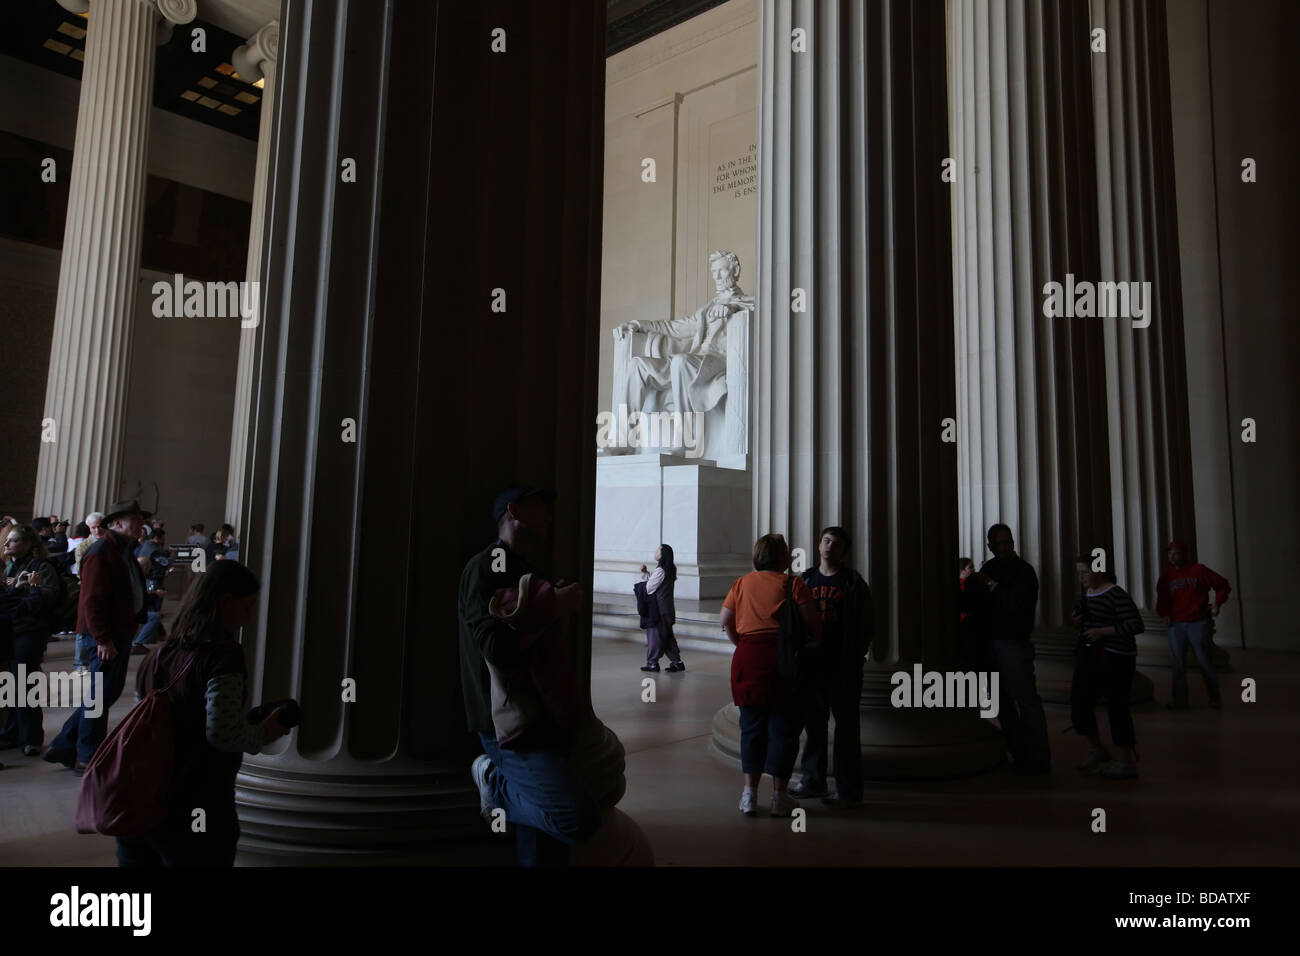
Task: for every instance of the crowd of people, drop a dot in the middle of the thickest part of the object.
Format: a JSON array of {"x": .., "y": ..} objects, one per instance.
[{"x": 830, "y": 606}]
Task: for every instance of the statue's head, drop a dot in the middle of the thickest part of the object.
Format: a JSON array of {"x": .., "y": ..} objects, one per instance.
[{"x": 725, "y": 267}]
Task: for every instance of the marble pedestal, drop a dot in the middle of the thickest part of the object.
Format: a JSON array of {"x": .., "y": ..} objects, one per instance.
[{"x": 702, "y": 510}]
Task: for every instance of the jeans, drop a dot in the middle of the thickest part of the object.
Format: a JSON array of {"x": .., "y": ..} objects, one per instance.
[
  {"x": 149, "y": 628},
  {"x": 1196, "y": 633},
  {"x": 24, "y": 723},
  {"x": 1020, "y": 709},
  {"x": 769, "y": 739},
  {"x": 1098, "y": 672},
  {"x": 82, "y": 735},
  {"x": 544, "y": 798},
  {"x": 837, "y": 692}
]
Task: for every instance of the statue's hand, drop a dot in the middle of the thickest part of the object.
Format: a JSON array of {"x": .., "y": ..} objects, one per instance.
[{"x": 719, "y": 310}]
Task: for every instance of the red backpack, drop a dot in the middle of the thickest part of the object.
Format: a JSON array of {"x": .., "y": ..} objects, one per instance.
[{"x": 125, "y": 786}]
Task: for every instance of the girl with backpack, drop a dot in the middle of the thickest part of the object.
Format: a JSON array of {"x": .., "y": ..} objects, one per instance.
[{"x": 211, "y": 732}]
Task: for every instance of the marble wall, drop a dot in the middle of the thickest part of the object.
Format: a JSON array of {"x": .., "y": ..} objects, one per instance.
[{"x": 687, "y": 99}]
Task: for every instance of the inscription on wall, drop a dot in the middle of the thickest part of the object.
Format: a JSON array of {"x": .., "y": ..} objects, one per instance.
[{"x": 737, "y": 175}]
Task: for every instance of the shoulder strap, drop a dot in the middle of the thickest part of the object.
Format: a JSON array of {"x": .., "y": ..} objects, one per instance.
[{"x": 157, "y": 663}]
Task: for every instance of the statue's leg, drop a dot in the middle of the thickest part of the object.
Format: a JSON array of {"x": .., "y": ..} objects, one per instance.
[{"x": 646, "y": 385}]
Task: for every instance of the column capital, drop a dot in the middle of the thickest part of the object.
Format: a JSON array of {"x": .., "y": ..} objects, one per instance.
[
  {"x": 177, "y": 11},
  {"x": 257, "y": 57}
]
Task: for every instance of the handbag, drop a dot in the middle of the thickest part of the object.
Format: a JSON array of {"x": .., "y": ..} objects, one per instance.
[{"x": 791, "y": 639}]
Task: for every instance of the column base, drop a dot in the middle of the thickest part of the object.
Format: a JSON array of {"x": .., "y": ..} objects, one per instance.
[{"x": 361, "y": 814}]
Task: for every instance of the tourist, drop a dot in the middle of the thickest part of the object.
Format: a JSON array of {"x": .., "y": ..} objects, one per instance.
[
  {"x": 79, "y": 534},
  {"x": 209, "y": 715},
  {"x": 835, "y": 672},
  {"x": 1105, "y": 661},
  {"x": 770, "y": 711},
  {"x": 109, "y": 612},
  {"x": 659, "y": 637},
  {"x": 1183, "y": 600},
  {"x": 29, "y": 572},
  {"x": 1002, "y": 598},
  {"x": 152, "y": 557},
  {"x": 526, "y": 772}
]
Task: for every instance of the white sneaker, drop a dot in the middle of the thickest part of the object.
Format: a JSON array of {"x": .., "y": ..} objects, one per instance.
[
  {"x": 748, "y": 803},
  {"x": 783, "y": 803},
  {"x": 481, "y": 771}
]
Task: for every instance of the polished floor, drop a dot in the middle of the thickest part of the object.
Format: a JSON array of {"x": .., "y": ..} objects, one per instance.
[{"x": 1217, "y": 788}]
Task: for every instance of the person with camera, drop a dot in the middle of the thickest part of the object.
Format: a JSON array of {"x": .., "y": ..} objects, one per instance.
[
  {"x": 771, "y": 714},
  {"x": 35, "y": 581},
  {"x": 210, "y": 722}
]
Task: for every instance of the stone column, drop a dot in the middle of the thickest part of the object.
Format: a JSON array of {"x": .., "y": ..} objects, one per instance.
[
  {"x": 90, "y": 352},
  {"x": 391, "y": 401},
  {"x": 1033, "y": 407},
  {"x": 851, "y": 394},
  {"x": 255, "y": 60},
  {"x": 1150, "y": 430}
]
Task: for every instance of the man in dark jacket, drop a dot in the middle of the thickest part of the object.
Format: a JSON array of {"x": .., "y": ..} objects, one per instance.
[
  {"x": 848, "y": 619},
  {"x": 110, "y": 609},
  {"x": 1002, "y": 598},
  {"x": 529, "y": 778}
]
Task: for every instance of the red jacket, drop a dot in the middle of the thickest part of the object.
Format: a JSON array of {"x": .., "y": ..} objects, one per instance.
[
  {"x": 1183, "y": 593},
  {"x": 106, "y": 608}
]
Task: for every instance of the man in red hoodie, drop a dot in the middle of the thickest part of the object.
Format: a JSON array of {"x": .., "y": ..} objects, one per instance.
[{"x": 1182, "y": 599}]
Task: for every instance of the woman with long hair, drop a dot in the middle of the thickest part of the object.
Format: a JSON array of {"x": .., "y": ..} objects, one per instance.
[
  {"x": 770, "y": 713},
  {"x": 659, "y": 588},
  {"x": 211, "y": 730}
]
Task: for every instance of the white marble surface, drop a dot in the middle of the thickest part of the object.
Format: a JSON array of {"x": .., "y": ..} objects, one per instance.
[{"x": 701, "y": 510}]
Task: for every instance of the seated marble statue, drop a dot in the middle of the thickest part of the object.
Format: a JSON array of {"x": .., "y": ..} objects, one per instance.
[{"x": 683, "y": 365}]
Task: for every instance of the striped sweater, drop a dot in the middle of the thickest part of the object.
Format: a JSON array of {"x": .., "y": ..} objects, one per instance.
[{"x": 1111, "y": 608}]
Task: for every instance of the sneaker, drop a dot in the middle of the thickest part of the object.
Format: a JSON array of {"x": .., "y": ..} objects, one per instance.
[
  {"x": 1119, "y": 770},
  {"x": 802, "y": 790},
  {"x": 31, "y": 751},
  {"x": 675, "y": 667},
  {"x": 481, "y": 770},
  {"x": 748, "y": 803},
  {"x": 836, "y": 802},
  {"x": 1093, "y": 762},
  {"x": 782, "y": 804},
  {"x": 652, "y": 668},
  {"x": 65, "y": 757}
]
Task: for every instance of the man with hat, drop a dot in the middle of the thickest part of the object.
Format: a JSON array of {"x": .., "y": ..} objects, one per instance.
[
  {"x": 111, "y": 607},
  {"x": 525, "y": 773},
  {"x": 1183, "y": 600}
]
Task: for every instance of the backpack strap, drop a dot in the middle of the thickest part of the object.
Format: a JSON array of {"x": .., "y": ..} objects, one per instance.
[{"x": 157, "y": 663}]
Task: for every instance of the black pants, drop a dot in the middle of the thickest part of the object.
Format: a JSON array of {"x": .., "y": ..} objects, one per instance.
[
  {"x": 176, "y": 844},
  {"x": 836, "y": 691},
  {"x": 1098, "y": 673}
]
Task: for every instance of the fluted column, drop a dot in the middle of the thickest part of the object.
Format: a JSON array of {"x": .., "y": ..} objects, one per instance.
[
  {"x": 475, "y": 171},
  {"x": 1150, "y": 430},
  {"x": 1033, "y": 406},
  {"x": 255, "y": 60},
  {"x": 852, "y": 393},
  {"x": 90, "y": 351}
]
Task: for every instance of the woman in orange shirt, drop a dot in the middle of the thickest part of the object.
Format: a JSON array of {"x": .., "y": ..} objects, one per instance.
[{"x": 770, "y": 716}]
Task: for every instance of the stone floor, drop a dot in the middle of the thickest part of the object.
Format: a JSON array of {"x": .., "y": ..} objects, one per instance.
[{"x": 1217, "y": 788}]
